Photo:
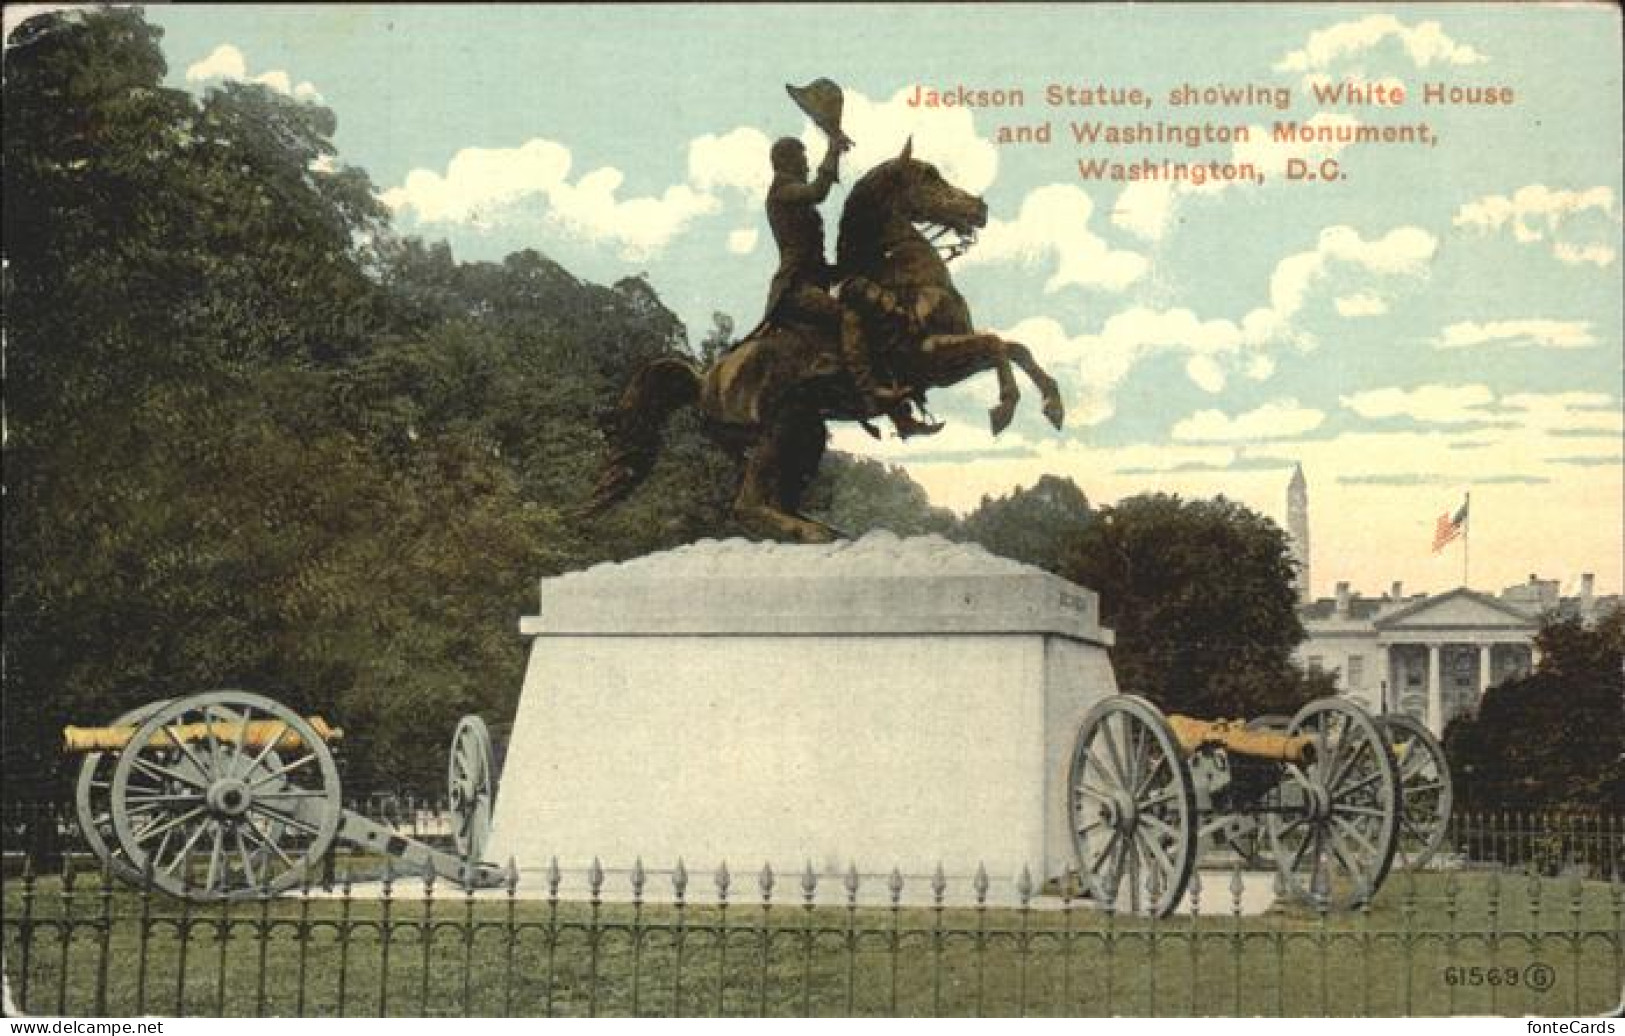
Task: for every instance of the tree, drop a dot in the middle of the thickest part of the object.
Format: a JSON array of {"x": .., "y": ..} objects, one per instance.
[
  {"x": 1554, "y": 738},
  {"x": 857, "y": 495},
  {"x": 717, "y": 340},
  {"x": 1031, "y": 525},
  {"x": 1200, "y": 595}
]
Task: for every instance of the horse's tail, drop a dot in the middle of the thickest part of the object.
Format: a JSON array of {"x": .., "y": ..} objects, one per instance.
[{"x": 657, "y": 389}]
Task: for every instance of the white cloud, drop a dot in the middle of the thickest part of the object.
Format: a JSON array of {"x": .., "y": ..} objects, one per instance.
[
  {"x": 639, "y": 227},
  {"x": 1437, "y": 404},
  {"x": 1403, "y": 251},
  {"x": 1537, "y": 213},
  {"x": 1599, "y": 255},
  {"x": 483, "y": 185},
  {"x": 743, "y": 240},
  {"x": 1361, "y": 305},
  {"x": 226, "y": 62},
  {"x": 480, "y": 181},
  {"x": 1145, "y": 208},
  {"x": 1053, "y": 223},
  {"x": 1214, "y": 349},
  {"x": 1567, "y": 411},
  {"x": 1425, "y": 43},
  {"x": 1545, "y": 334},
  {"x": 737, "y": 159},
  {"x": 1205, "y": 372},
  {"x": 1280, "y": 419}
]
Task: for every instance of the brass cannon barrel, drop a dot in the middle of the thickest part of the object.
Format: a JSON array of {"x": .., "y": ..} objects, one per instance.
[
  {"x": 1233, "y": 736},
  {"x": 252, "y": 734}
]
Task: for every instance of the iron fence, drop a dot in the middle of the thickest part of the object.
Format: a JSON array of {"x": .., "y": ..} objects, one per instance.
[{"x": 1475, "y": 936}]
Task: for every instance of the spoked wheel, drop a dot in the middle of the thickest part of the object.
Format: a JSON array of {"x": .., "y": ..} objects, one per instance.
[
  {"x": 1335, "y": 839},
  {"x": 1133, "y": 808},
  {"x": 1425, "y": 790},
  {"x": 93, "y": 801},
  {"x": 225, "y": 795},
  {"x": 471, "y": 787}
]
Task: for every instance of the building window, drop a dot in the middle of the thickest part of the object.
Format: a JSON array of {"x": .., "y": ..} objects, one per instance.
[{"x": 1356, "y": 671}]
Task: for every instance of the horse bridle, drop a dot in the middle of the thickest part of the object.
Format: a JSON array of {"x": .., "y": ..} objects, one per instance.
[{"x": 963, "y": 240}]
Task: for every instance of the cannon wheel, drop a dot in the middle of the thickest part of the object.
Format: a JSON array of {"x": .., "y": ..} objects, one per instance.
[
  {"x": 1132, "y": 807},
  {"x": 255, "y": 821},
  {"x": 1336, "y": 840},
  {"x": 93, "y": 800},
  {"x": 470, "y": 787},
  {"x": 1425, "y": 789}
]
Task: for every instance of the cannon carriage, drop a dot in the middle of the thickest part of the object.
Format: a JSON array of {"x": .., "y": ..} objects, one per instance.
[
  {"x": 1330, "y": 798},
  {"x": 230, "y": 795}
]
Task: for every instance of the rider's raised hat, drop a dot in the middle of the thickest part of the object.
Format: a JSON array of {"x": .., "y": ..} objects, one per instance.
[{"x": 822, "y": 100}]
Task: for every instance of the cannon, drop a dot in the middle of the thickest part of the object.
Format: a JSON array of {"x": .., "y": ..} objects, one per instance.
[
  {"x": 1330, "y": 797},
  {"x": 231, "y": 795}
]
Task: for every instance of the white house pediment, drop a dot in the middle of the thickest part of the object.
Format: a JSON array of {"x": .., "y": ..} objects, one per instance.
[{"x": 1458, "y": 609}]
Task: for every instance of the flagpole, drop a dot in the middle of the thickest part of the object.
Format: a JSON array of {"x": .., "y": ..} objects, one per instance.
[{"x": 1466, "y": 536}]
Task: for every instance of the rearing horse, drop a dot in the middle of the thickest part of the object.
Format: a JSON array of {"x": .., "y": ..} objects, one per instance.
[{"x": 768, "y": 398}]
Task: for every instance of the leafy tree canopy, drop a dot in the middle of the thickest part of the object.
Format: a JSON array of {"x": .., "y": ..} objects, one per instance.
[
  {"x": 1200, "y": 595},
  {"x": 1032, "y": 524},
  {"x": 1554, "y": 738}
]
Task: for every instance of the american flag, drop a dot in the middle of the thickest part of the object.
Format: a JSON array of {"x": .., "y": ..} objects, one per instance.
[{"x": 1448, "y": 527}]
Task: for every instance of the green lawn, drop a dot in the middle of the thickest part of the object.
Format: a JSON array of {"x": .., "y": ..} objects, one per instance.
[{"x": 1412, "y": 952}]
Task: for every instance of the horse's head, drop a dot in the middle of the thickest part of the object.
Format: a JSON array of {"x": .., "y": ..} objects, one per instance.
[
  {"x": 923, "y": 196},
  {"x": 906, "y": 192}
]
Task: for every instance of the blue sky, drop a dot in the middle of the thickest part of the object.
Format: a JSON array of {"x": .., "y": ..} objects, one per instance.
[{"x": 1444, "y": 319}]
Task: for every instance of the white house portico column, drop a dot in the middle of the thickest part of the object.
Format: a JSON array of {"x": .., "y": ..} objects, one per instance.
[
  {"x": 1435, "y": 692},
  {"x": 1484, "y": 651},
  {"x": 1390, "y": 681}
]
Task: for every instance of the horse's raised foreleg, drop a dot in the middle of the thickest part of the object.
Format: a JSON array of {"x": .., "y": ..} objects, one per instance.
[
  {"x": 1022, "y": 357},
  {"x": 950, "y": 358},
  {"x": 953, "y": 358}
]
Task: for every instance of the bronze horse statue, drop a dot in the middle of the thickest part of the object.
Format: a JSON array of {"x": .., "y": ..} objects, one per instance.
[{"x": 769, "y": 397}]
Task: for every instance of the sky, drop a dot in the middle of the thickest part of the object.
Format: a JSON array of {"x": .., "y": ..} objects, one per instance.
[{"x": 1425, "y": 321}]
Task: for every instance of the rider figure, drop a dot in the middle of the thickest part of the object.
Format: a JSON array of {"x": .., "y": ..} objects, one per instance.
[{"x": 800, "y": 290}]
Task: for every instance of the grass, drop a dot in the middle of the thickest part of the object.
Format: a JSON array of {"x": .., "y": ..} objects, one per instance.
[{"x": 1411, "y": 953}]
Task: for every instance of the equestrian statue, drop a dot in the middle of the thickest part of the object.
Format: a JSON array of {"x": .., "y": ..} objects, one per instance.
[{"x": 857, "y": 341}]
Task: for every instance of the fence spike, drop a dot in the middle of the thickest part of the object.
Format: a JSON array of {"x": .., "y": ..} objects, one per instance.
[
  {"x": 1196, "y": 892},
  {"x": 638, "y": 877},
  {"x": 1024, "y": 885},
  {"x": 595, "y": 877},
  {"x": 764, "y": 881},
  {"x": 894, "y": 885},
  {"x": 1237, "y": 889},
  {"x": 679, "y": 879},
  {"x": 554, "y": 876},
  {"x": 512, "y": 875},
  {"x": 851, "y": 881},
  {"x": 980, "y": 883},
  {"x": 723, "y": 879},
  {"x": 809, "y": 883}
]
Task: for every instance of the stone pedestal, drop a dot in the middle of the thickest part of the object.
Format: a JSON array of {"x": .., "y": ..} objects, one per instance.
[{"x": 880, "y": 704}]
